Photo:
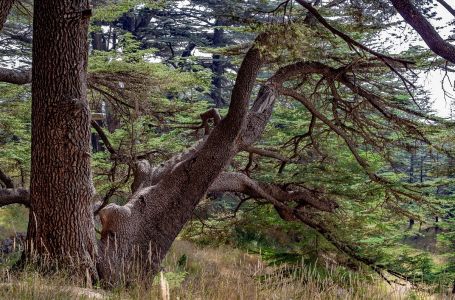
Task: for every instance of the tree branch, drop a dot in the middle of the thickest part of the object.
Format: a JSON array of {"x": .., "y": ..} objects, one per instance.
[
  {"x": 15, "y": 76},
  {"x": 105, "y": 201},
  {"x": 14, "y": 196},
  {"x": 266, "y": 153},
  {"x": 238, "y": 182},
  {"x": 305, "y": 216},
  {"x": 345, "y": 248},
  {"x": 449, "y": 8},
  {"x": 103, "y": 137},
  {"x": 350, "y": 41},
  {"x": 6, "y": 180},
  {"x": 146, "y": 217},
  {"x": 351, "y": 145},
  {"x": 431, "y": 37}
]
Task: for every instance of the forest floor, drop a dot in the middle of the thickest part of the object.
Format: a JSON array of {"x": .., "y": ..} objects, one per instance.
[{"x": 193, "y": 272}]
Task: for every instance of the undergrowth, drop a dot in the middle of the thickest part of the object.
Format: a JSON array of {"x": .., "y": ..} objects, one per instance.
[{"x": 192, "y": 272}]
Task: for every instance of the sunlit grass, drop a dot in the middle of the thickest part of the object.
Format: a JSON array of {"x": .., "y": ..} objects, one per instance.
[
  {"x": 221, "y": 273},
  {"x": 13, "y": 218}
]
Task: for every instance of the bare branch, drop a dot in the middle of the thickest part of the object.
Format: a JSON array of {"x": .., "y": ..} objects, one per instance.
[
  {"x": 449, "y": 8},
  {"x": 266, "y": 153}
]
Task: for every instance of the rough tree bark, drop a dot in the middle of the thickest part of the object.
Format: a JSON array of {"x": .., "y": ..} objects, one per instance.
[
  {"x": 146, "y": 226},
  {"x": 61, "y": 225},
  {"x": 165, "y": 196}
]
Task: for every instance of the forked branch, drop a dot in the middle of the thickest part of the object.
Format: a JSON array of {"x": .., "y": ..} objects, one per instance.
[{"x": 238, "y": 182}]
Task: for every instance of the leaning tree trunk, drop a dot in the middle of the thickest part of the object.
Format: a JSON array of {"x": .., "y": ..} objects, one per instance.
[
  {"x": 61, "y": 227},
  {"x": 137, "y": 236}
]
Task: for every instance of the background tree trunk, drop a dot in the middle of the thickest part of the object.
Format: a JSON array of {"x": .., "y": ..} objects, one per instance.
[
  {"x": 217, "y": 66},
  {"x": 61, "y": 226},
  {"x": 5, "y": 7}
]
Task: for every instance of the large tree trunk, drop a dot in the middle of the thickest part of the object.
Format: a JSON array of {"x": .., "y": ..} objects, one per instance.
[
  {"x": 61, "y": 227},
  {"x": 141, "y": 232}
]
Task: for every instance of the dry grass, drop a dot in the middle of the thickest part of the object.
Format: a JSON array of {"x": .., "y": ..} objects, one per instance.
[
  {"x": 32, "y": 286},
  {"x": 214, "y": 273}
]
